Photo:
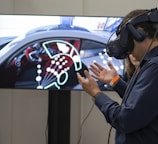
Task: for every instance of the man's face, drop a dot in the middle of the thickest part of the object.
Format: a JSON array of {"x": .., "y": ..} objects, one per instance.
[
  {"x": 133, "y": 60},
  {"x": 138, "y": 50}
]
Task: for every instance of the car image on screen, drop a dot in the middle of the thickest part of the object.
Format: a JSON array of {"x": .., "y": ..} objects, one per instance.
[{"x": 48, "y": 57}]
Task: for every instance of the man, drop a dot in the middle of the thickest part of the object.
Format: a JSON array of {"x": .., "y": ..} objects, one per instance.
[{"x": 136, "y": 118}]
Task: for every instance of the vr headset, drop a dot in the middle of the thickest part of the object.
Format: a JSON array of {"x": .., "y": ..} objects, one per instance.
[{"x": 123, "y": 44}]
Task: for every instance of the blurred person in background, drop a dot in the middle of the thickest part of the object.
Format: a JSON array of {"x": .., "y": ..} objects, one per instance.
[{"x": 131, "y": 64}]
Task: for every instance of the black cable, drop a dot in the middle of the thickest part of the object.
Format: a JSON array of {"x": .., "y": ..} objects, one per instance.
[{"x": 109, "y": 135}]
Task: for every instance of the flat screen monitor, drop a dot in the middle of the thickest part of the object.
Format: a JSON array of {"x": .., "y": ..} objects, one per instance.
[{"x": 45, "y": 52}]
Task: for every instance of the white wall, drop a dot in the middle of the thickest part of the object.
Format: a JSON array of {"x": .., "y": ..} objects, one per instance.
[
  {"x": 6, "y": 6},
  {"x": 95, "y": 129},
  {"x": 74, "y": 7},
  {"x": 23, "y": 116},
  {"x": 23, "y": 113}
]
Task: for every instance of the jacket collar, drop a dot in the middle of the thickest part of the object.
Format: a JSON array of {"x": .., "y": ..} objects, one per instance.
[{"x": 152, "y": 53}]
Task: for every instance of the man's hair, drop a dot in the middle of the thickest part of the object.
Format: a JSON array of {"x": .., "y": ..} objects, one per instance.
[{"x": 148, "y": 27}]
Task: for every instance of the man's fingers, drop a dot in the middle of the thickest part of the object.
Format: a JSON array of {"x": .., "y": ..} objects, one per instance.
[
  {"x": 87, "y": 74},
  {"x": 80, "y": 78},
  {"x": 78, "y": 75},
  {"x": 110, "y": 65},
  {"x": 94, "y": 69},
  {"x": 99, "y": 66}
]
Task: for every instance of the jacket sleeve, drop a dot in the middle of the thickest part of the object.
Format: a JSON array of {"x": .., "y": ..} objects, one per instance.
[
  {"x": 140, "y": 107},
  {"x": 120, "y": 87}
]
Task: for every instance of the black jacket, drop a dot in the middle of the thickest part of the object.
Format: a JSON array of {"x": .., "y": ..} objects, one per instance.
[{"x": 136, "y": 119}]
